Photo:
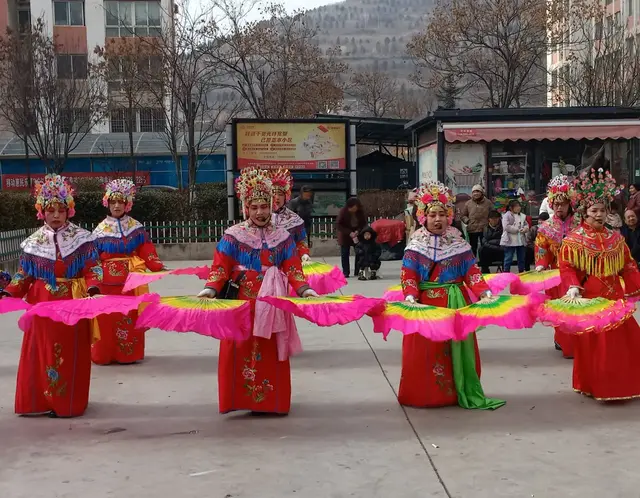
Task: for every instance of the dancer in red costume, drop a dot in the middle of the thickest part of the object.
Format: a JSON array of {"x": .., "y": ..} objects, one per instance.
[
  {"x": 437, "y": 265},
  {"x": 261, "y": 259},
  {"x": 124, "y": 246},
  {"x": 561, "y": 197},
  {"x": 59, "y": 261},
  {"x": 283, "y": 217},
  {"x": 592, "y": 259}
]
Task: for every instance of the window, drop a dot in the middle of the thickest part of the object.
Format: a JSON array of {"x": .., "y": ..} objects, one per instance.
[
  {"x": 630, "y": 8},
  {"x": 24, "y": 19},
  {"x": 120, "y": 121},
  {"x": 72, "y": 67},
  {"x": 140, "y": 18},
  {"x": 599, "y": 30},
  {"x": 68, "y": 13},
  {"x": 75, "y": 121},
  {"x": 151, "y": 120}
]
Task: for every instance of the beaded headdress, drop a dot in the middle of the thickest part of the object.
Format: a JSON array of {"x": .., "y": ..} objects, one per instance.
[
  {"x": 54, "y": 189},
  {"x": 434, "y": 194},
  {"x": 593, "y": 187},
  {"x": 282, "y": 181},
  {"x": 560, "y": 189},
  {"x": 121, "y": 189},
  {"x": 253, "y": 184}
]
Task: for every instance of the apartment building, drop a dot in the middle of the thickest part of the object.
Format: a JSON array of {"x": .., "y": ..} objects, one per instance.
[
  {"x": 616, "y": 33},
  {"x": 79, "y": 26}
]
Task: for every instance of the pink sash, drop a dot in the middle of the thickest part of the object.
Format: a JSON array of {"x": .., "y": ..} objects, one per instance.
[{"x": 270, "y": 320}]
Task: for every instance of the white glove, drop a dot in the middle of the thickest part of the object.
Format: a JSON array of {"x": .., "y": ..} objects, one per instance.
[
  {"x": 410, "y": 299},
  {"x": 310, "y": 293},
  {"x": 539, "y": 268},
  {"x": 573, "y": 293},
  {"x": 305, "y": 258},
  {"x": 207, "y": 293},
  {"x": 486, "y": 295}
]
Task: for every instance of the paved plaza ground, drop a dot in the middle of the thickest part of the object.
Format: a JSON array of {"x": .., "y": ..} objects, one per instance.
[{"x": 153, "y": 429}]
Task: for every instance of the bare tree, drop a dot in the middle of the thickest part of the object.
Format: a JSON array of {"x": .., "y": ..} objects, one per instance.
[
  {"x": 187, "y": 88},
  {"x": 495, "y": 49},
  {"x": 62, "y": 98},
  {"x": 124, "y": 64},
  {"x": 275, "y": 65},
  {"x": 596, "y": 60},
  {"x": 377, "y": 92},
  {"x": 412, "y": 103}
]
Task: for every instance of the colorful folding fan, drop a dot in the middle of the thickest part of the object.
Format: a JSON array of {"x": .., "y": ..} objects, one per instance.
[
  {"x": 535, "y": 281},
  {"x": 138, "y": 278},
  {"x": 326, "y": 311},
  {"x": 585, "y": 315},
  {"x": 323, "y": 278},
  {"x": 432, "y": 322},
  {"x": 9, "y": 304},
  {"x": 71, "y": 311},
  {"x": 217, "y": 318},
  {"x": 511, "y": 312},
  {"x": 394, "y": 293}
]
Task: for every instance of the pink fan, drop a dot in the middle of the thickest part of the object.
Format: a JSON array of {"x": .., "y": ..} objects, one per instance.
[
  {"x": 535, "y": 281},
  {"x": 498, "y": 282},
  {"x": 393, "y": 293},
  {"x": 9, "y": 304},
  {"x": 71, "y": 311},
  {"x": 323, "y": 278},
  {"x": 511, "y": 312},
  {"x": 328, "y": 310},
  {"x": 217, "y": 318},
  {"x": 136, "y": 279},
  {"x": 432, "y": 322}
]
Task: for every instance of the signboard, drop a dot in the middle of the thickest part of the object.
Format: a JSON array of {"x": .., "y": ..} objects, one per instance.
[
  {"x": 464, "y": 166},
  {"x": 295, "y": 146},
  {"x": 428, "y": 163},
  {"x": 328, "y": 203},
  {"x": 19, "y": 182}
]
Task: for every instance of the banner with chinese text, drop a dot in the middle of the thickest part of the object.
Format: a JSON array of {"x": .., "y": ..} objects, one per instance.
[
  {"x": 296, "y": 146},
  {"x": 19, "y": 182}
]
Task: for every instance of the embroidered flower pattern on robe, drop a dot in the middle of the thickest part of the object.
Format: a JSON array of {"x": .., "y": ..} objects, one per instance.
[
  {"x": 57, "y": 387},
  {"x": 257, "y": 390}
]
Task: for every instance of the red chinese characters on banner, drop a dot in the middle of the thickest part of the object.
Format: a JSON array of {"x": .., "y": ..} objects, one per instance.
[{"x": 19, "y": 182}]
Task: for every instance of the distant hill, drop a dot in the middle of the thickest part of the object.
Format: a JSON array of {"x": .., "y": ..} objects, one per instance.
[{"x": 372, "y": 33}]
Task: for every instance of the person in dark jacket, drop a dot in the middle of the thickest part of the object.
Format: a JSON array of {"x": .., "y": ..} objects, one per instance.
[
  {"x": 303, "y": 207},
  {"x": 490, "y": 250},
  {"x": 367, "y": 254},
  {"x": 631, "y": 233},
  {"x": 351, "y": 220}
]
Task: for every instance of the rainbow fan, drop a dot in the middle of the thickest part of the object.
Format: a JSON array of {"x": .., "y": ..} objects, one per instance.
[
  {"x": 326, "y": 311},
  {"x": 71, "y": 311},
  {"x": 511, "y": 312},
  {"x": 138, "y": 278},
  {"x": 498, "y": 282},
  {"x": 217, "y": 318},
  {"x": 394, "y": 293},
  {"x": 323, "y": 278},
  {"x": 9, "y": 304},
  {"x": 535, "y": 281},
  {"x": 432, "y": 322},
  {"x": 585, "y": 315}
]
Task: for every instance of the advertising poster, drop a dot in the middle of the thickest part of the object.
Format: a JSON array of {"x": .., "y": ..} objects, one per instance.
[
  {"x": 428, "y": 163},
  {"x": 19, "y": 182},
  {"x": 328, "y": 203},
  {"x": 465, "y": 166},
  {"x": 296, "y": 146}
]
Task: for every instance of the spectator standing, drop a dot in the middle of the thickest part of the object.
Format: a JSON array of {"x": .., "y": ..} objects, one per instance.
[
  {"x": 409, "y": 218},
  {"x": 514, "y": 233},
  {"x": 351, "y": 220},
  {"x": 303, "y": 207},
  {"x": 613, "y": 220},
  {"x": 631, "y": 233},
  {"x": 368, "y": 254},
  {"x": 490, "y": 250},
  {"x": 531, "y": 241},
  {"x": 475, "y": 214},
  {"x": 634, "y": 199},
  {"x": 545, "y": 207}
]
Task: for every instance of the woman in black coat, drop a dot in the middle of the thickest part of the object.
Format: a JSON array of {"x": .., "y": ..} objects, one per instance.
[{"x": 351, "y": 220}]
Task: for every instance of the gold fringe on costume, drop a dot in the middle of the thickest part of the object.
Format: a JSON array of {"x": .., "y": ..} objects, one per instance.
[{"x": 596, "y": 263}]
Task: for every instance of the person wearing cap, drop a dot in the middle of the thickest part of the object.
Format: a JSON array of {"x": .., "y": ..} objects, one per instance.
[
  {"x": 409, "y": 218},
  {"x": 475, "y": 214},
  {"x": 303, "y": 207}
]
